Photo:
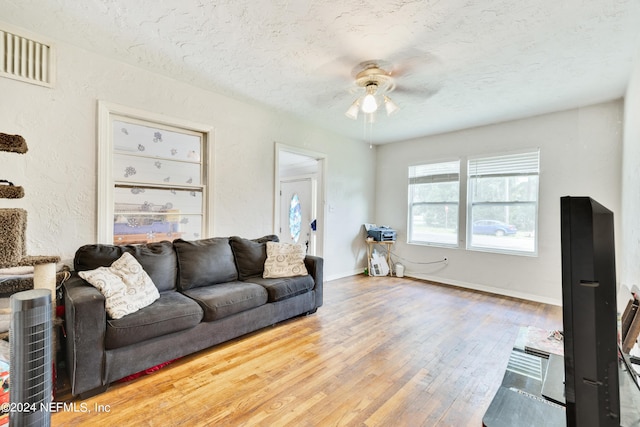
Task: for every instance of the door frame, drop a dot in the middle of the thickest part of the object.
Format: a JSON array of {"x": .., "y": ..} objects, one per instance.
[
  {"x": 313, "y": 181},
  {"x": 320, "y": 201}
]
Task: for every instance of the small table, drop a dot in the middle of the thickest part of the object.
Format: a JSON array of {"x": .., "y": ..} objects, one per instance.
[
  {"x": 387, "y": 244},
  {"x": 521, "y": 400}
]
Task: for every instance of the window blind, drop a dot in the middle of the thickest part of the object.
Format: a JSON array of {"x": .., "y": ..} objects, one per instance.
[
  {"x": 506, "y": 165},
  {"x": 434, "y": 173}
]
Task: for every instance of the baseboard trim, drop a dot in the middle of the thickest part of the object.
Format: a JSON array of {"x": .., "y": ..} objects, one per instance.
[
  {"x": 343, "y": 275},
  {"x": 471, "y": 286},
  {"x": 489, "y": 289}
]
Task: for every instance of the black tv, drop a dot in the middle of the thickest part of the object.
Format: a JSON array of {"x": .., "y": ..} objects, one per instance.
[{"x": 589, "y": 313}]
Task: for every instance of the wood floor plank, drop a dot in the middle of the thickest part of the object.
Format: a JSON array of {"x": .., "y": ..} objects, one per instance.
[{"x": 381, "y": 351}]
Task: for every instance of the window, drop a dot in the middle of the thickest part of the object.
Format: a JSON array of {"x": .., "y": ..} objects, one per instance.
[
  {"x": 434, "y": 191},
  {"x": 503, "y": 203},
  {"x": 153, "y": 177}
]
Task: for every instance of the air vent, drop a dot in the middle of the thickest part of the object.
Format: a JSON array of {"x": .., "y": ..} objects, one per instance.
[{"x": 26, "y": 59}]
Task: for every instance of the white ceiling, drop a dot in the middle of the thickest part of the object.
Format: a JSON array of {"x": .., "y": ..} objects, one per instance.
[{"x": 481, "y": 61}]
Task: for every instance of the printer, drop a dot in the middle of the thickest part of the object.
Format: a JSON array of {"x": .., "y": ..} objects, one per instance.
[{"x": 382, "y": 234}]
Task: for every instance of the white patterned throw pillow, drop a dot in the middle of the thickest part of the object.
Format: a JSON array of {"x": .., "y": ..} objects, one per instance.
[
  {"x": 125, "y": 285},
  {"x": 284, "y": 260}
]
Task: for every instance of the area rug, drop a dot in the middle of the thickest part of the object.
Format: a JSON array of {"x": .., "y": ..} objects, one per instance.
[{"x": 146, "y": 371}]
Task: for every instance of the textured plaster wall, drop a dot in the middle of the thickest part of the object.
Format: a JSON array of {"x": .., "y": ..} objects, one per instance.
[
  {"x": 580, "y": 155},
  {"x": 629, "y": 268},
  {"x": 59, "y": 171}
]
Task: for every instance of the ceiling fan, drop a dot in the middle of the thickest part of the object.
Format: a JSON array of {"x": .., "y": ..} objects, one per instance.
[
  {"x": 411, "y": 74},
  {"x": 374, "y": 83}
]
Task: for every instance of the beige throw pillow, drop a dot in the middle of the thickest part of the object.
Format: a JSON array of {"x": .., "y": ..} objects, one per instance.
[
  {"x": 284, "y": 260},
  {"x": 125, "y": 285}
]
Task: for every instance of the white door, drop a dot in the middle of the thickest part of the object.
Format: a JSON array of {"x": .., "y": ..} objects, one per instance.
[{"x": 297, "y": 212}]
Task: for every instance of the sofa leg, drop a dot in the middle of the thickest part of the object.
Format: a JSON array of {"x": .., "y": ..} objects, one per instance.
[
  {"x": 93, "y": 392},
  {"x": 312, "y": 311}
]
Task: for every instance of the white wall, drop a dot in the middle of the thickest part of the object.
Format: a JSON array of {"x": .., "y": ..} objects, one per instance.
[
  {"x": 629, "y": 268},
  {"x": 59, "y": 171},
  {"x": 580, "y": 155}
]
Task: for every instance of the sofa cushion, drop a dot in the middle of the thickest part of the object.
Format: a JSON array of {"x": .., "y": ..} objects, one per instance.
[
  {"x": 250, "y": 254},
  {"x": 125, "y": 285},
  {"x": 157, "y": 259},
  {"x": 205, "y": 262},
  {"x": 283, "y": 288},
  {"x": 284, "y": 260},
  {"x": 223, "y": 300},
  {"x": 172, "y": 312}
]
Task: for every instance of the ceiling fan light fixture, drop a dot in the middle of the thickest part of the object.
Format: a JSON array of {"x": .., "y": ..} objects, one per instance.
[
  {"x": 369, "y": 103},
  {"x": 376, "y": 83},
  {"x": 389, "y": 105},
  {"x": 352, "y": 112}
]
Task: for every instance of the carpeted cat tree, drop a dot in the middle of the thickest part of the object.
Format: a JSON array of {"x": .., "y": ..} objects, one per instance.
[
  {"x": 13, "y": 143},
  {"x": 13, "y": 226},
  {"x": 20, "y": 272}
]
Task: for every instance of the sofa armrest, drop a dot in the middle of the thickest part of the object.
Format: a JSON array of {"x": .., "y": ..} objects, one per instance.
[
  {"x": 85, "y": 324},
  {"x": 314, "y": 266}
]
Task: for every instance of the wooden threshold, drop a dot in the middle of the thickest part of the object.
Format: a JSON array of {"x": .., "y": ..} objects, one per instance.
[{"x": 381, "y": 351}]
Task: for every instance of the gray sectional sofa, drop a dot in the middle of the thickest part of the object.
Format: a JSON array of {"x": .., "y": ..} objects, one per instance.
[{"x": 211, "y": 291}]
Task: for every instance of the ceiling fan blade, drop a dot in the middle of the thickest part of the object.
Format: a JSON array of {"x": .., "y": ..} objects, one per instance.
[
  {"x": 414, "y": 68},
  {"x": 340, "y": 97},
  {"x": 340, "y": 66},
  {"x": 413, "y": 60},
  {"x": 423, "y": 93}
]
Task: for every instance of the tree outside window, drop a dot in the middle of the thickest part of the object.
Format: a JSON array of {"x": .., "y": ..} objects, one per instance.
[{"x": 434, "y": 193}]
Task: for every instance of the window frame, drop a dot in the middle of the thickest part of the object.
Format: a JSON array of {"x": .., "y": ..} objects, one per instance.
[
  {"x": 470, "y": 203},
  {"x": 410, "y": 202},
  {"x": 107, "y": 113}
]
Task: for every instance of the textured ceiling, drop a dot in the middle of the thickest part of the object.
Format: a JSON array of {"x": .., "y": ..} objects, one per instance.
[{"x": 460, "y": 63}]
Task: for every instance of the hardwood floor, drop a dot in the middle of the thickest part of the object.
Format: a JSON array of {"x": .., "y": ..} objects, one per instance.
[{"x": 379, "y": 352}]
